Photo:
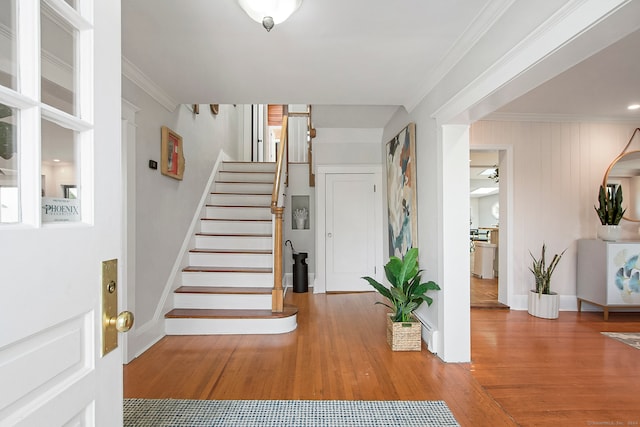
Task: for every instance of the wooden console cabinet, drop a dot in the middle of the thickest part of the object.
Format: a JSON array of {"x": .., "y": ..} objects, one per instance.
[{"x": 608, "y": 274}]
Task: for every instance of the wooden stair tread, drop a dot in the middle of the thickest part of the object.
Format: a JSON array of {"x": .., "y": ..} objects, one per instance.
[
  {"x": 235, "y": 219},
  {"x": 202, "y": 269},
  {"x": 200, "y": 313},
  {"x": 244, "y": 182},
  {"x": 249, "y": 171},
  {"x": 233, "y": 235},
  {"x": 239, "y": 206},
  {"x": 233, "y": 251},
  {"x": 246, "y": 163},
  {"x": 241, "y": 194},
  {"x": 222, "y": 290}
]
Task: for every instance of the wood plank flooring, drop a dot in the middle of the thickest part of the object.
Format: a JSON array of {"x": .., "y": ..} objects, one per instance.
[
  {"x": 525, "y": 371},
  {"x": 484, "y": 293}
]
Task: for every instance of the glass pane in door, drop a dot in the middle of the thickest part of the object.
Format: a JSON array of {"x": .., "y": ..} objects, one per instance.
[
  {"x": 9, "y": 199},
  {"x": 58, "y": 54},
  {"x": 8, "y": 43},
  {"x": 61, "y": 191}
]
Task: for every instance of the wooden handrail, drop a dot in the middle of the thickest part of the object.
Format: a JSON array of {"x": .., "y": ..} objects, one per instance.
[
  {"x": 275, "y": 193},
  {"x": 277, "y": 209}
]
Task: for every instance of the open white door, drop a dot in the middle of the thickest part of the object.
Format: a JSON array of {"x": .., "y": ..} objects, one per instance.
[{"x": 62, "y": 111}]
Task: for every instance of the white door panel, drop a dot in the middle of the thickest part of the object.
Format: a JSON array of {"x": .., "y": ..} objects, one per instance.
[
  {"x": 350, "y": 231},
  {"x": 51, "y": 369}
]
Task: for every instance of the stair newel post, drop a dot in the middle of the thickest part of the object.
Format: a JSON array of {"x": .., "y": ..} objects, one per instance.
[
  {"x": 277, "y": 209},
  {"x": 277, "y": 294}
]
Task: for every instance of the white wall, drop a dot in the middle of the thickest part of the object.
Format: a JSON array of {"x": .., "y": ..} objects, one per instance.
[
  {"x": 558, "y": 168},
  {"x": 165, "y": 206},
  {"x": 303, "y": 240},
  {"x": 346, "y": 146}
]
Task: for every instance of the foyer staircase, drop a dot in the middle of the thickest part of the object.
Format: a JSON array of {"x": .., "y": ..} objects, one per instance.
[{"x": 227, "y": 287}]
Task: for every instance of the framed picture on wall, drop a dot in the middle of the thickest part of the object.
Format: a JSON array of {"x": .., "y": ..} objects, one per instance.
[
  {"x": 172, "y": 159},
  {"x": 401, "y": 191}
]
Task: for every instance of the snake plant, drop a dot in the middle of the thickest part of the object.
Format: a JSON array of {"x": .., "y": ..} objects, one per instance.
[
  {"x": 542, "y": 272},
  {"x": 406, "y": 292},
  {"x": 610, "y": 209}
]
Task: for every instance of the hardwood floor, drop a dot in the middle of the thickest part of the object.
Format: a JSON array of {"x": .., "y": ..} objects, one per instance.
[
  {"x": 484, "y": 293},
  {"x": 525, "y": 371}
]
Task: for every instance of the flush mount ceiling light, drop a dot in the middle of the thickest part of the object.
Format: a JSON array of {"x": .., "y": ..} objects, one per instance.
[
  {"x": 269, "y": 12},
  {"x": 633, "y": 107},
  {"x": 483, "y": 191}
]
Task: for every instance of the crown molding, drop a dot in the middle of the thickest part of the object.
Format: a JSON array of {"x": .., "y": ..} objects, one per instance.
[
  {"x": 137, "y": 77},
  {"x": 556, "y": 118},
  {"x": 478, "y": 28}
]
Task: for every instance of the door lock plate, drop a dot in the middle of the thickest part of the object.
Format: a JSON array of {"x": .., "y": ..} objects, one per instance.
[{"x": 109, "y": 305}]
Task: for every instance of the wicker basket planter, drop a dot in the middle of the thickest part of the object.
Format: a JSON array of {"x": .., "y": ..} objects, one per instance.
[{"x": 404, "y": 336}]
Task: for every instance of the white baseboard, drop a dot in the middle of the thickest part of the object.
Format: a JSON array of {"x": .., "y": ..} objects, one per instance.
[{"x": 140, "y": 339}]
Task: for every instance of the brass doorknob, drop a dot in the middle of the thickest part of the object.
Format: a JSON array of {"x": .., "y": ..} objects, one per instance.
[{"x": 123, "y": 322}]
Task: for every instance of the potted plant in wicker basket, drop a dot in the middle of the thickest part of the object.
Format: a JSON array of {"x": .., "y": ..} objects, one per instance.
[
  {"x": 404, "y": 331},
  {"x": 610, "y": 212},
  {"x": 542, "y": 302}
]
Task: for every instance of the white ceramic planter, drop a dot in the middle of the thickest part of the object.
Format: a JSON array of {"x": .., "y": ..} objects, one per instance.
[
  {"x": 609, "y": 233},
  {"x": 546, "y": 306}
]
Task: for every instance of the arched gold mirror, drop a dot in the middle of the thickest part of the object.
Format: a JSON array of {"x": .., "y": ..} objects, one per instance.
[{"x": 624, "y": 171}]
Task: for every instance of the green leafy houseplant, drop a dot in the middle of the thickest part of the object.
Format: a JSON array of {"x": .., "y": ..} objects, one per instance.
[
  {"x": 610, "y": 209},
  {"x": 542, "y": 272},
  {"x": 406, "y": 292}
]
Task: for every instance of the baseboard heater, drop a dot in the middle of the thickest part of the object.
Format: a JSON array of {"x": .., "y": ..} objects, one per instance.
[{"x": 429, "y": 334}]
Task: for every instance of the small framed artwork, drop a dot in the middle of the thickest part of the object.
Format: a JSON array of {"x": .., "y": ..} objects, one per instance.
[{"x": 172, "y": 160}]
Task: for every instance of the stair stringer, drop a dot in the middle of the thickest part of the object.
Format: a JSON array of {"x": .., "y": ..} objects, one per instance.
[{"x": 152, "y": 331}]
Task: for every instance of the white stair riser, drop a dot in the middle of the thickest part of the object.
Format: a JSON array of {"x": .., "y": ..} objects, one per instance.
[
  {"x": 230, "y": 326},
  {"x": 240, "y": 199},
  {"x": 243, "y": 187},
  {"x": 222, "y": 301},
  {"x": 230, "y": 260},
  {"x": 233, "y": 242},
  {"x": 228, "y": 279},
  {"x": 238, "y": 213},
  {"x": 242, "y": 167},
  {"x": 254, "y": 227},
  {"x": 246, "y": 177}
]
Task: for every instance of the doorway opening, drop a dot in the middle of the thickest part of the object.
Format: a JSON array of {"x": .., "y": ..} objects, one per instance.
[{"x": 485, "y": 256}]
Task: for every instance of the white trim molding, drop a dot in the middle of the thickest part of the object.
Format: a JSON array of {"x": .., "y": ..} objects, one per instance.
[{"x": 137, "y": 77}]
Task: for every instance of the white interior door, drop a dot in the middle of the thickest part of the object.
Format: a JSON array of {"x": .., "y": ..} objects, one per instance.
[
  {"x": 66, "y": 150},
  {"x": 350, "y": 231}
]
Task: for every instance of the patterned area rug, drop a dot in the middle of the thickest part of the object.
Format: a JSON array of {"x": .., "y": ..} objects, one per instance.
[
  {"x": 629, "y": 338},
  {"x": 290, "y": 413}
]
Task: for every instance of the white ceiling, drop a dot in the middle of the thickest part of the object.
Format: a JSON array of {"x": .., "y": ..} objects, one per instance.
[
  {"x": 350, "y": 58},
  {"x": 329, "y": 52},
  {"x": 600, "y": 87}
]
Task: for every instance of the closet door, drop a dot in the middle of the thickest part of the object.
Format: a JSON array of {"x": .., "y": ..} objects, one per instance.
[{"x": 350, "y": 231}]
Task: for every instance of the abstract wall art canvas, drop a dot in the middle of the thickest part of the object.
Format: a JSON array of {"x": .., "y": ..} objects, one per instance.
[{"x": 401, "y": 191}]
